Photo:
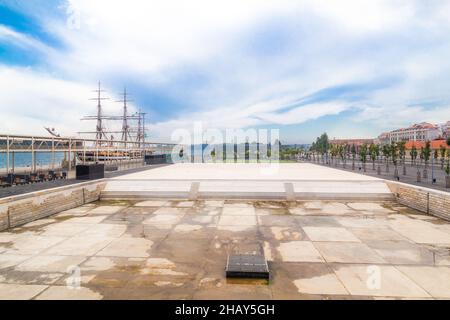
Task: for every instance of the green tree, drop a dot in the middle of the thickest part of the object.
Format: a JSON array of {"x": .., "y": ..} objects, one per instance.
[
  {"x": 447, "y": 170},
  {"x": 447, "y": 167},
  {"x": 342, "y": 154},
  {"x": 442, "y": 152},
  {"x": 386, "y": 150},
  {"x": 421, "y": 154},
  {"x": 413, "y": 154},
  {"x": 321, "y": 145},
  {"x": 334, "y": 151},
  {"x": 402, "y": 153},
  {"x": 353, "y": 152},
  {"x": 427, "y": 152},
  {"x": 394, "y": 152},
  {"x": 313, "y": 149},
  {"x": 363, "y": 155},
  {"x": 426, "y": 158},
  {"x": 374, "y": 150}
]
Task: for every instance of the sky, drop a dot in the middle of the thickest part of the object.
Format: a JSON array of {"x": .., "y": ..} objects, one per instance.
[{"x": 351, "y": 68}]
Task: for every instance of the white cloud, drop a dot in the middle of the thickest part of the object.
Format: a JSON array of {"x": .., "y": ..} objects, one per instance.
[
  {"x": 12, "y": 37},
  {"x": 155, "y": 43},
  {"x": 362, "y": 16},
  {"x": 306, "y": 113},
  {"x": 33, "y": 100}
]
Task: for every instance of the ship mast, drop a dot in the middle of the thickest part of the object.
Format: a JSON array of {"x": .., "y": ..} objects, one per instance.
[
  {"x": 141, "y": 128},
  {"x": 99, "y": 129},
  {"x": 100, "y": 132},
  {"x": 127, "y": 131}
]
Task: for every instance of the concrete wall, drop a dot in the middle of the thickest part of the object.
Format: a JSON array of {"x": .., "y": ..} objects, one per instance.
[
  {"x": 433, "y": 202},
  {"x": 18, "y": 210}
]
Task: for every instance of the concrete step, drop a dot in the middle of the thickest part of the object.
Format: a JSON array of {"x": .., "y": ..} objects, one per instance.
[{"x": 247, "y": 189}]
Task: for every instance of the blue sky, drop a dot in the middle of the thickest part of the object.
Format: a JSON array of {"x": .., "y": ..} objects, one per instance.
[{"x": 353, "y": 68}]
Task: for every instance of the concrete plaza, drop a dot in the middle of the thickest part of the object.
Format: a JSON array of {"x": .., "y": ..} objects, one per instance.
[
  {"x": 169, "y": 249},
  {"x": 246, "y": 181},
  {"x": 246, "y": 171}
]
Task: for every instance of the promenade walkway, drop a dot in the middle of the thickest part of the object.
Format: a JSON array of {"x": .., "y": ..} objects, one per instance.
[
  {"x": 246, "y": 181},
  {"x": 23, "y": 189}
]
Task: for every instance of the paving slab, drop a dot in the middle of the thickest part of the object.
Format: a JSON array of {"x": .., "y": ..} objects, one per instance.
[
  {"x": 170, "y": 211},
  {"x": 314, "y": 221},
  {"x": 52, "y": 264},
  {"x": 64, "y": 229},
  {"x": 377, "y": 233},
  {"x": 19, "y": 292},
  {"x": 323, "y": 284},
  {"x": 360, "y": 222},
  {"x": 382, "y": 281},
  {"x": 369, "y": 207},
  {"x": 106, "y": 209},
  {"x": 293, "y": 233},
  {"x": 299, "y": 251},
  {"x": 79, "y": 246},
  {"x": 402, "y": 252},
  {"x": 127, "y": 247},
  {"x": 66, "y": 293},
  {"x": 214, "y": 203},
  {"x": 435, "y": 280},
  {"x": 151, "y": 203},
  {"x": 330, "y": 234},
  {"x": 348, "y": 252},
  {"x": 32, "y": 244},
  {"x": 238, "y": 211},
  {"x": 422, "y": 234},
  {"x": 237, "y": 221},
  {"x": 10, "y": 260},
  {"x": 105, "y": 231},
  {"x": 86, "y": 219},
  {"x": 163, "y": 220}
]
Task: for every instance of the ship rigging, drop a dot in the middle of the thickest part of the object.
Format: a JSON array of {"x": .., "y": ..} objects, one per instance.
[{"x": 128, "y": 133}]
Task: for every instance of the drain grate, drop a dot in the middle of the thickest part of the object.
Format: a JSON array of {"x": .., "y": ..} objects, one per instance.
[{"x": 247, "y": 266}]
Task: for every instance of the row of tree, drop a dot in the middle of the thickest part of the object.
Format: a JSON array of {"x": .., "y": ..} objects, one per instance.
[{"x": 394, "y": 153}]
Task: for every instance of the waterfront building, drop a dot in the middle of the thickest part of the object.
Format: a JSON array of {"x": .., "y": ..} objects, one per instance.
[
  {"x": 446, "y": 130},
  {"x": 383, "y": 138},
  {"x": 423, "y": 131}
]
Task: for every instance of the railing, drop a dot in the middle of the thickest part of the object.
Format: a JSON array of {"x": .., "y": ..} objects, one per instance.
[{"x": 11, "y": 144}]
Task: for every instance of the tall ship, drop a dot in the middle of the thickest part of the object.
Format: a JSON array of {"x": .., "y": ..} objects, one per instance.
[{"x": 132, "y": 135}]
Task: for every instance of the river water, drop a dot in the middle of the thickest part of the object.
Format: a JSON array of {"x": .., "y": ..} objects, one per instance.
[{"x": 23, "y": 160}]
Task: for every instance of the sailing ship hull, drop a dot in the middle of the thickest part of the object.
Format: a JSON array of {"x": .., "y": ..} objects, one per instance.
[{"x": 107, "y": 157}]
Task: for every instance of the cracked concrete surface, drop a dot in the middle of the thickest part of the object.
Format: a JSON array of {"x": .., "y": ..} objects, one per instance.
[{"x": 165, "y": 249}]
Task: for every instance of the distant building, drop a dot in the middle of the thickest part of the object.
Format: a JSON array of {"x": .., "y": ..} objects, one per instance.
[
  {"x": 423, "y": 131},
  {"x": 356, "y": 142},
  {"x": 446, "y": 130},
  {"x": 383, "y": 138},
  {"x": 434, "y": 144}
]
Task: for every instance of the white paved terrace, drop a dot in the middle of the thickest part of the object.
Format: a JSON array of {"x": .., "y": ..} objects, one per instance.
[{"x": 247, "y": 181}]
